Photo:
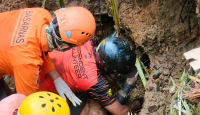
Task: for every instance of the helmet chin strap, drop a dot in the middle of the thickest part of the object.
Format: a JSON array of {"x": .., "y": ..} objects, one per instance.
[
  {"x": 57, "y": 45},
  {"x": 53, "y": 27},
  {"x": 58, "y": 48},
  {"x": 57, "y": 41}
]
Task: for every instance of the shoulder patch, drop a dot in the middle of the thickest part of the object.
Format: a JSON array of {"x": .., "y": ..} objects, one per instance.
[{"x": 22, "y": 28}]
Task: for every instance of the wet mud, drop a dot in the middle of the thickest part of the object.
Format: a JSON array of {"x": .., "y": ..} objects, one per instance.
[{"x": 162, "y": 30}]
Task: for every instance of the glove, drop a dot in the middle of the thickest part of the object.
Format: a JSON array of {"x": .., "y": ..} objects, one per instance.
[{"x": 63, "y": 89}]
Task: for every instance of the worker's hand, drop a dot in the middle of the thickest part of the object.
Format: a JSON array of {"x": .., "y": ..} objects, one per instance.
[
  {"x": 132, "y": 80},
  {"x": 63, "y": 89}
]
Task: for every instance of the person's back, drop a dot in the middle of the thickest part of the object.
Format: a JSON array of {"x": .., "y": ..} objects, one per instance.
[
  {"x": 21, "y": 35},
  {"x": 22, "y": 42},
  {"x": 76, "y": 66},
  {"x": 27, "y": 35}
]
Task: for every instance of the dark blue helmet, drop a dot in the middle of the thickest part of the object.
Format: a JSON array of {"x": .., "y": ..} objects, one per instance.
[{"x": 116, "y": 54}]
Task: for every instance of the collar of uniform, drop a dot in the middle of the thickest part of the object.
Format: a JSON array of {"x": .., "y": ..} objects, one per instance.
[{"x": 44, "y": 42}]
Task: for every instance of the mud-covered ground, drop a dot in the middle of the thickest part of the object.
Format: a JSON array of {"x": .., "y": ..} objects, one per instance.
[
  {"x": 165, "y": 30},
  {"x": 162, "y": 29}
]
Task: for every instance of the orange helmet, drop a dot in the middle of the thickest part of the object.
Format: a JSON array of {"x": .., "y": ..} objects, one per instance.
[
  {"x": 44, "y": 103},
  {"x": 76, "y": 25}
]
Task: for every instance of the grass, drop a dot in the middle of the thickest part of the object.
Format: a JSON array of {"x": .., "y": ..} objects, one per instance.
[
  {"x": 140, "y": 72},
  {"x": 61, "y": 2},
  {"x": 43, "y": 3},
  {"x": 184, "y": 107},
  {"x": 115, "y": 15}
]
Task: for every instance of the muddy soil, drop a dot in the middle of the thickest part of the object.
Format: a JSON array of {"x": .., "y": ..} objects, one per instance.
[
  {"x": 165, "y": 30},
  {"x": 162, "y": 29}
]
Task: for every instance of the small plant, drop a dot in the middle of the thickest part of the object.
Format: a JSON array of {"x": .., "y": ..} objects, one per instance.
[
  {"x": 43, "y": 3},
  {"x": 62, "y": 3},
  {"x": 179, "y": 105},
  {"x": 115, "y": 15},
  {"x": 140, "y": 72}
]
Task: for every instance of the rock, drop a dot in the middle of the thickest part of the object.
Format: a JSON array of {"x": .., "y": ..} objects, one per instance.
[
  {"x": 10, "y": 81},
  {"x": 150, "y": 88},
  {"x": 93, "y": 108},
  {"x": 154, "y": 107},
  {"x": 165, "y": 72},
  {"x": 162, "y": 49},
  {"x": 161, "y": 59},
  {"x": 157, "y": 75},
  {"x": 157, "y": 67}
]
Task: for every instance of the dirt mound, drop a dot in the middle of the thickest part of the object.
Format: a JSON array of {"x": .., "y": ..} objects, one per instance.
[{"x": 163, "y": 30}]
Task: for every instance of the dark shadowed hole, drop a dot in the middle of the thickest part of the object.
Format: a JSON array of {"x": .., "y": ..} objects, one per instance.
[
  {"x": 145, "y": 59},
  {"x": 48, "y": 94},
  {"x": 104, "y": 26},
  {"x": 57, "y": 98}
]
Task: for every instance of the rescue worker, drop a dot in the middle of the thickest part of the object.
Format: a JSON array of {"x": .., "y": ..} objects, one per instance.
[
  {"x": 83, "y": 69},
  {"x": 27, "y": 35},
  {"x": 39, "y": 103}
]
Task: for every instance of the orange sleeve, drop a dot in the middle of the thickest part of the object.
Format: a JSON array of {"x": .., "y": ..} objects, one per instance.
[
  {"x": 26, "y": 78},
  {"x": 47, "y": 66}
]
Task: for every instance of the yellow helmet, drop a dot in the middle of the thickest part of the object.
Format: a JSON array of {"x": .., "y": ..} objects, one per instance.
[{"x": 44, "y": 103}]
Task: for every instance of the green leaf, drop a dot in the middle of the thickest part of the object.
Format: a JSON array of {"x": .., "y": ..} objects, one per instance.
[
  {"x": 182, "y": 75},
  {"x": 185, "y": 78},
  {"x": 140, "y": 72},
  {"x": 173, "y": 112},
  {"x": 180, "y": 107},
  {"x": 188, "y": 84},
  {"x": 115, "y": 15},
  {"x": 186, "y": 106},
  {"x": 43, "y": 3},
  {"x": 144, "y": 68}
]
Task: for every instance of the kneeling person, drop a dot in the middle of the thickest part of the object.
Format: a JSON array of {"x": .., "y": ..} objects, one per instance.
[{"x": 83, "y": 68}]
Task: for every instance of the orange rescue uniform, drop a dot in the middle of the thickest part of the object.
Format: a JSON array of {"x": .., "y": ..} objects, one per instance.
[{"x": 24, "y": 47}]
